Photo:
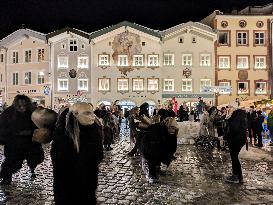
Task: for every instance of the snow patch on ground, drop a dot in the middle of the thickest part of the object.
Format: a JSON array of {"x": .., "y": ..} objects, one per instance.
[{"x": 255, "y": 154}]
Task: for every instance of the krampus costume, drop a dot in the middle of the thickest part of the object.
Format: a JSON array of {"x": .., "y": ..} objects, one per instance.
[
  {"x": 236, "y": 138},
  {"x": 156, "y": 146},
  {"x": 16, "y": 131},
  {"x": 76, "y": 153}
]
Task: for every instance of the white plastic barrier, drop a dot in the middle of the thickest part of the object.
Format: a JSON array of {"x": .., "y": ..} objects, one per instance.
[{"x": 187, "y": 132}]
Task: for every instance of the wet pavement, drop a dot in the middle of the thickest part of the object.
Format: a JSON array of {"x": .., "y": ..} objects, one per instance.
[{"x": 194, "y": 178}]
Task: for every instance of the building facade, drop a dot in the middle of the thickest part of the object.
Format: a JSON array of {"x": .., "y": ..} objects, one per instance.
[
  {"x": 188, "y": 62},
  {"x": 24, "y": 65},
  {"x": 70, "y": 68},
  {"x": 126, "y": 65},
  {"x": 243, "y": 55}
]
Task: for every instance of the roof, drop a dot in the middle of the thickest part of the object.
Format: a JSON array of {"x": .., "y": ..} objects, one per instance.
[
  {"x": 183, "y": 25},
  {"x": 68, "y": 29},
  {"x": 21, "y": 32},
  {"x": 126, "y": 24},
  {"x": 257, "y": 10}
]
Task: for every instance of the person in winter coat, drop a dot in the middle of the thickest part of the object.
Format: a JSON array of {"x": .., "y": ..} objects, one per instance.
[
  {"x": 16, "y": 132},
  {"x": 270, "y": 126},
  {"x": 183, "y": 112},
  {"x": 236, "y": 138},
  {"x": 251, "y": 116},
  {"x": 258, "y": 128},
  {"x": 76, "y": 153}
]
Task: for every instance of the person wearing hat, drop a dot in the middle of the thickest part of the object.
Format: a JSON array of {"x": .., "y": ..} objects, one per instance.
[
  {"x": 16, "y": 132},
  {"x": 76, "y": 153}
]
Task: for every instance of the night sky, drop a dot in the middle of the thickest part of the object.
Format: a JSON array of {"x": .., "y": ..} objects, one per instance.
[{"x": 50, "y": 15}]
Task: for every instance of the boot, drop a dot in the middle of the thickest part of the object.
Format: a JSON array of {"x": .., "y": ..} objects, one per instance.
[{"x": 232, "y": 179}]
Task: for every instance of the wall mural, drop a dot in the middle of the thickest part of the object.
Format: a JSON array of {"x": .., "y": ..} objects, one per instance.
[{"x": 129, "y": 44}]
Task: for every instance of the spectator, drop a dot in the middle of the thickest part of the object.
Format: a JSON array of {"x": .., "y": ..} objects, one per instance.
[
  {"x": 236, "y": 138},
  {"x": 270, "y": 126}
]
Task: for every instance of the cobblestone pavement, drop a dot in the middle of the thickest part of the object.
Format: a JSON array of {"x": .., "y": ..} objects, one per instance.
[{"x": 194, "y": 178}]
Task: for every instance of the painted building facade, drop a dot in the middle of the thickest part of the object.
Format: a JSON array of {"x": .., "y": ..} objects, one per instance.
[
  {"x": 70, "y": 68},
  {"x": 24, "y": 65},
  {"x": 126, "y": 65},
  {"x": 188, "y": 62}
]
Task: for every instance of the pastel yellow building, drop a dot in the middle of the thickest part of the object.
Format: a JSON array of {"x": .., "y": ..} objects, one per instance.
[{"x": 242, "y": 55}]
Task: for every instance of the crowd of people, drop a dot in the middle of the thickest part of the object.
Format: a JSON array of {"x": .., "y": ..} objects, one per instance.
[{"x": 79, "y": 135}]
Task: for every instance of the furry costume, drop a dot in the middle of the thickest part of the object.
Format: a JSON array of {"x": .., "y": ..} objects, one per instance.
[
  {"x": 75, "y": 160},
  {"x": 158, "y": 144},
  {"x": 16, "y": 131}
]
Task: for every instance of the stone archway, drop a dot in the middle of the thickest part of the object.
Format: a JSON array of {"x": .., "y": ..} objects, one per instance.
[{"x": 126, "y": 104}]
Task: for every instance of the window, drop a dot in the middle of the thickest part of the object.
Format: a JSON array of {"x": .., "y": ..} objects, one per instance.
[
  {"x": 153, "y": 84},
  {"x": 260, "y": 62},
  {"x": 123, "y": 84},
  {"x": 27, "y": 78},
  {"x": 122, "y": 60},
  {"x": 138, "y": 60},
  {"x": 222, "y": 91},
  {"x": 224, "y": 62},
  {"x": 259, "y": 38},
  {"x": 193, "y": 39},
  {"x": 187, "y": 59},
  {"x": 28, "y": 56},
  {"x": 242, "y": 62},
  {"x": 204, "y": 83},
  {"x": 168, "y": 85},
  {"x": 260, "y": 88},
  {"x": 180, "y": 40},
  {"x": 138, "y": 84},
  {"x": 1, "y": 58},
  {"x": 153, "y": 60},
  {"x": 15, "y": 79},
  {"x": 168, "y": 59},
  {"x": 41, "y": 55},
  {"x": 103, "y": 60},
  {"x": 187, "y": 85},
  {"x": 15, "y": 57},
  {"x": 62, "y": 84},
  {"x": 83, "y": 84},
  {"x": 205, "y": 60},
  {"x": 143, "y": 43},
  {"x": 83, "y": 62},
  {"x": 83, "y": 46},
  {"x": 73, "y": 45},
  {"x": 104, "y": 84},
  {"x": 62, "y": 61},
  {"x": 243, "y": 88},
  {"x": 223, "y": 38},
  {"x": 41, "y": 77},
  {"x": 242, "y": 38},
  {"x": 63, "y": 46}
]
